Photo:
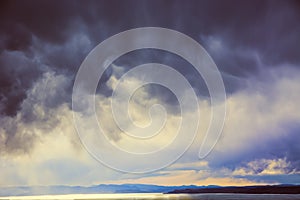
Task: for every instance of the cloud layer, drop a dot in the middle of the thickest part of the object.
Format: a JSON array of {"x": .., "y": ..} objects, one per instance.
[{"x": 255, "y": 45}]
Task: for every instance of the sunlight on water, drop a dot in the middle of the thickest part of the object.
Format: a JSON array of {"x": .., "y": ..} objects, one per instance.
[{"x": 97, "y": 196}]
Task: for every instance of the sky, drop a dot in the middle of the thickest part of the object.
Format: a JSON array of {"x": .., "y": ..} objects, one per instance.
[{"x": 254, "y": 44}]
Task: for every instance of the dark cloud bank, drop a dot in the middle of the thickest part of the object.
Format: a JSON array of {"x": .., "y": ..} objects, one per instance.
[{"x": 244, "y": 38}]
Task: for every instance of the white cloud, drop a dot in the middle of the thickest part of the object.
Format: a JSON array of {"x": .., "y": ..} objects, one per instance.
[
  {"x": 260, "y": 114},
  {"x": 264, "y": 167}
]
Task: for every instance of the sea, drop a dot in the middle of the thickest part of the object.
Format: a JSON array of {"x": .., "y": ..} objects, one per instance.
[{"x": 152, "y": 196}]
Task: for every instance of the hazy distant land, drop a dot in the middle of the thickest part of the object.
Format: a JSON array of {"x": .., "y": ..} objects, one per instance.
[{"x": 144, "y": 188}]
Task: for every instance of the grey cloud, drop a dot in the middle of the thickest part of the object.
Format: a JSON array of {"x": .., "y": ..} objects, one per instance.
[
  {"x": 17, "y": 75},
  {"x": 14, "y": 139},
  {"x": 37, "y": 114}
]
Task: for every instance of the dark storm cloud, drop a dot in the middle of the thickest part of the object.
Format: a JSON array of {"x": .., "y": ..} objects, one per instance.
[
  {"x": 266, "y": 28},
  {"x": 41, "y": 36},
  {"x": 17, "y": 73},
  {"x": 20, "y": 22},
  {"x": 37, "y": 115},
  {"x": 42, "y": 29}
]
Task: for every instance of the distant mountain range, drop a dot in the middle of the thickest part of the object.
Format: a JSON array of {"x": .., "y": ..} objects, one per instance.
[
  {"x": 102, "y": 188},
  {"x": 144, "y": 188}
]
